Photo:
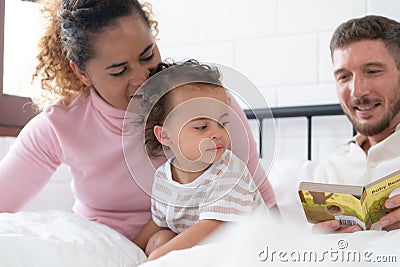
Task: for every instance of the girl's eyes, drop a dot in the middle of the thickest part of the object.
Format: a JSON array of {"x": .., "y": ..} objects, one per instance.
[
  {"x": 201, "y": 127},
  {"x": 224, "y": 124},
  {"x": 204, "y": 126}
]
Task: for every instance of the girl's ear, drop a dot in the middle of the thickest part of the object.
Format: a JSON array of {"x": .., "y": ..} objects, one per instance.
[
  {"x": 162, "y": 135},
  {"x": 81, "y": 74}
]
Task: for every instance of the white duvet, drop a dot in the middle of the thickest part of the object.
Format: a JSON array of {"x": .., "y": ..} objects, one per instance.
[{"x": 55, "y": 238}]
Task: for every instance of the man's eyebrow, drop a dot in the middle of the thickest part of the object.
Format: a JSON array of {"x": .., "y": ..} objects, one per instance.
[
  {"x": 115, "y": 65},
  {"x": 375, "y": 64}
]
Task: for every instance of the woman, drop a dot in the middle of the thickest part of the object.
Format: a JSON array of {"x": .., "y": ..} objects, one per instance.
[{"x": 94, "y": 56}]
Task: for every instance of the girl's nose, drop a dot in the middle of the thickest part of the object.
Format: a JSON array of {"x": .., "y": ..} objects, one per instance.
[{"x": 216, "y": 133}]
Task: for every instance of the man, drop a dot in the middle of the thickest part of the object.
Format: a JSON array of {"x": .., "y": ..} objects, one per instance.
[{"x": 366, "y": 60}]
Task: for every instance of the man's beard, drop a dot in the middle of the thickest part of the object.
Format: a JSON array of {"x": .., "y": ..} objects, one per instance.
[{"x": 371, "y": 129}]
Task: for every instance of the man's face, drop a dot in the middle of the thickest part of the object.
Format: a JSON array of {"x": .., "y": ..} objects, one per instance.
[{"x": 368, "y": 84}]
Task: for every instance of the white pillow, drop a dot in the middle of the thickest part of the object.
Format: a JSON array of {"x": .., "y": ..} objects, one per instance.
[{"x": 56, "y": 238}]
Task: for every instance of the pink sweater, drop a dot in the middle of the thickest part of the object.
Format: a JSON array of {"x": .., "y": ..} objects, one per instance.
[{"x": 86, "y": 136}]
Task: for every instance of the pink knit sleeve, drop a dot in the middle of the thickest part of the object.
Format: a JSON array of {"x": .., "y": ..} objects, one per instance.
[
  {"x": 245, "y": 147},
  {"x": 28, "y": 165}
]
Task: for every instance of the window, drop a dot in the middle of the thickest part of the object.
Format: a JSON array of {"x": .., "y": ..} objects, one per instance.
[{"x": 15, "y": 110}]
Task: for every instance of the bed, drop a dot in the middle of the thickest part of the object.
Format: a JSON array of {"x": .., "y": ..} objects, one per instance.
[{"x": 59, "y": 238}]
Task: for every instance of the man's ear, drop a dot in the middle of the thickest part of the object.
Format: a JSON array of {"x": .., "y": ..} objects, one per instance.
[
  {"x": 81, "y": 74},
  {"x": 162, "y": 135}
]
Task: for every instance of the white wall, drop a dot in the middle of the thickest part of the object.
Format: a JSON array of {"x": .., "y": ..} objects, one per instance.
[{"x": 281, "y": 45}]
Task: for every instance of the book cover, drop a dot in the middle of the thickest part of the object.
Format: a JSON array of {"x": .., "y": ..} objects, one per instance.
[{"x": 351, "y": 205}]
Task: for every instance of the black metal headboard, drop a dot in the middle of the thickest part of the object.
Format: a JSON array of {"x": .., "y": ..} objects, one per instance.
[{"x": 290, "y": 112}]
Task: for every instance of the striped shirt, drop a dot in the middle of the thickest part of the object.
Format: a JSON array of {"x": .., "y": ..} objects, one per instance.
[{"x": 225, "y": 192}]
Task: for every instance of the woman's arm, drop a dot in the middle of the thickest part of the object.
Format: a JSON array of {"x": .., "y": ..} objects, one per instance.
[
  {"x": 28, "y": 165},
  {"x": 188, "y": 238},
  {"x": 241, "y": 134}
]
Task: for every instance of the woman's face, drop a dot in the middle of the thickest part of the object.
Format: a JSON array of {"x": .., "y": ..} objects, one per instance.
[{"x": 125, "y": 54}]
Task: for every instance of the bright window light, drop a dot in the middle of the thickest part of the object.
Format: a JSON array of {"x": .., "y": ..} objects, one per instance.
[{"x": 23, "y": 26}]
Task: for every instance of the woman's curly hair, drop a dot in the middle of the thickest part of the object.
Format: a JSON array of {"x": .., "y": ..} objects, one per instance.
[{"x": 73, "y": 24}]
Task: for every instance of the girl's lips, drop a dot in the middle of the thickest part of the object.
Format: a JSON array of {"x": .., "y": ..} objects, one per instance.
[{"x": 217, "y": 147}]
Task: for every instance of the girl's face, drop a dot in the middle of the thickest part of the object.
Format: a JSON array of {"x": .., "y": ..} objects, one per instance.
[
  {"x": 125, "y": 54},
  {"x": 197, "y": 126}
]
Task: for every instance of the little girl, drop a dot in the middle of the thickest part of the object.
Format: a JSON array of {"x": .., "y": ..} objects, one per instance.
[{"x": 202, "y": 184}]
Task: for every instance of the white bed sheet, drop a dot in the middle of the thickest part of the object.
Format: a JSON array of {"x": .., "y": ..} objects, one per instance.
[
  {"x": 56, "y": 238},
  {"x": 53, "y": 238}
]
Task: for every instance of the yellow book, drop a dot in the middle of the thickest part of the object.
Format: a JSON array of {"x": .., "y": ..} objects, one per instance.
[{"x": 361, "y": 205}]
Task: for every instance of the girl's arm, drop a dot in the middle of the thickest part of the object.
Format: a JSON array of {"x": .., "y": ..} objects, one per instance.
[
  {"x": 188, "y": 238},
  {"x": 148, "y": 231}
]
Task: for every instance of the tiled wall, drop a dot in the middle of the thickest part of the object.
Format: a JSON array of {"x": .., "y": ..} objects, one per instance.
[{"x": 280, "y": 45}]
